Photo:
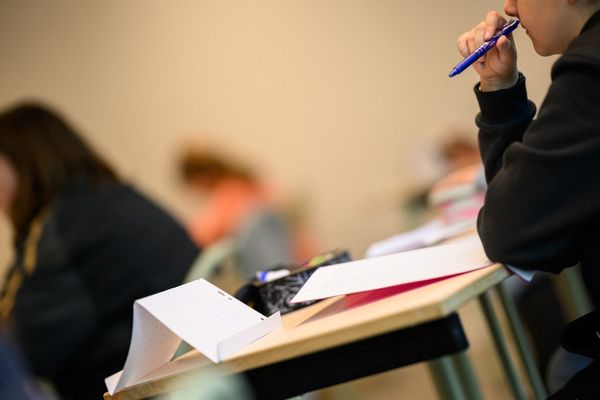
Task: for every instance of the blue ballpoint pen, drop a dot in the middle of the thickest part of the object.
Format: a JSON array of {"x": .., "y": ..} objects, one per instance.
[{"x": 510, "y": 26}]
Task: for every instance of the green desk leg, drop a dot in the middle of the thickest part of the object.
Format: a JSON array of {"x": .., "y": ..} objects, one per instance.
[
  {"x": 502, "y": 347},
  {"x": 522, "y": 342},
  {"x": 572, "y": 293},
  {"x": 467, "y": 376},
  {"x": 447, "y": 382}
]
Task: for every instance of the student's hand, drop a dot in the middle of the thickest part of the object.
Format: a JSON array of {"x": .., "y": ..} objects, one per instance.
[{"x": 498, "y": 67}]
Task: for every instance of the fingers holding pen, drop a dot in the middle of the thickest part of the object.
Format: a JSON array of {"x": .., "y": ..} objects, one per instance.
[
  {"x": 497, "y": 68},
  {"x": 506, "y": 49},
  {"x": 479, "y": 38},
  {"x": 466, "y": 43},
  {"x": 493, "y": 22},
  {"x": 462, "y": 43},
  {"x": 469, "y": 41}
]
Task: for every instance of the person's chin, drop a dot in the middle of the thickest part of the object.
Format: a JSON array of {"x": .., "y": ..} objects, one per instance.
[{"x": 542, "y": 51}]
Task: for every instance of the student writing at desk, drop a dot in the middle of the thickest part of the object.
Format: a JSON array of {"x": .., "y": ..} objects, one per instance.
[
  {"x": 238, "y": 205},
  {"x": 87, "y": 246},
  {"x": 542, "y": 208}
]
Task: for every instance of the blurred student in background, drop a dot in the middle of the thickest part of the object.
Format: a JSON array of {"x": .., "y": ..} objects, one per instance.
[
  {"x": 87, "y": 245},
  {"x": 232, "y": 193},
  {"x": 238, "y": 206},
  {"x": 459, "y": 194},
  {"x": 456, "y": 181}
]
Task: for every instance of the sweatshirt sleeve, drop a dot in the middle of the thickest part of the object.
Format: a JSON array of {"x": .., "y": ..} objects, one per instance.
[{"x": 542, "y": 174}]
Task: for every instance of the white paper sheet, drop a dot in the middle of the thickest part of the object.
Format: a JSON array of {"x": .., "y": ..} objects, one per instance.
[
  {"x": 207, "y": 318},
  {"x": 524, "y": 274},
  {"x": 395, "y": 269},
  {"x": 152, "y": 345},
  {"x": 425, "y": 235}
]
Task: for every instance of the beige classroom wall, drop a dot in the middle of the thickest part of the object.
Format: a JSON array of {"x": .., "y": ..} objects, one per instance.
[{"x": 339, "y": 102}]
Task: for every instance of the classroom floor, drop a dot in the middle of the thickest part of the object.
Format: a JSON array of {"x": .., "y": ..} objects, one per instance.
[{"x": 414, "y": 382}]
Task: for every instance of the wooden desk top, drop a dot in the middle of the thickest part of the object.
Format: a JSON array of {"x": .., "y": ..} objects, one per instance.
[{"x": 329, "y": 323}]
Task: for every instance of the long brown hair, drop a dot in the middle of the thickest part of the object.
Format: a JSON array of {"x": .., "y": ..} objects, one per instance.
[{"x": 48, "y": 155}]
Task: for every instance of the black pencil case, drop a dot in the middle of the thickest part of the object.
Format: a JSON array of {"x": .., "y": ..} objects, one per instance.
[{"x": 276, "y": 295}]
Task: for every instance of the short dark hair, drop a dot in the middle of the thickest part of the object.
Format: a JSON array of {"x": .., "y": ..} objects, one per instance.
[
  {"x": 197, "y": 162},
  {"x": 48, "y": 155}
]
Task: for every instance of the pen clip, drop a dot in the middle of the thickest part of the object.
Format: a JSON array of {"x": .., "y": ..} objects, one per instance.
[{"x": 507, "y": 28}]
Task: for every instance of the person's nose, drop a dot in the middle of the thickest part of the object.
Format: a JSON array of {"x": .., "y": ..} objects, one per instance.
[{"x": 510, "y": 8}]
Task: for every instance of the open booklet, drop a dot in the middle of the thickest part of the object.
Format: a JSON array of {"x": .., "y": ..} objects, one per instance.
[
  {"x": 395, "y": 269},
  {"x": 210, "y": 320}
]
